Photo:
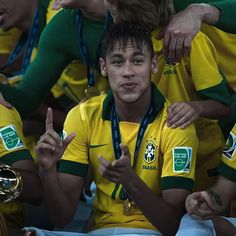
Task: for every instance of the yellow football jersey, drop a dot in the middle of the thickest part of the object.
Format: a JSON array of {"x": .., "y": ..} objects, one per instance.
[
  {"x": 12, "y": 149},
  {"x": 166, "y": 158},
  {"x": 226, "y": 50},
  {"x": 196, "y": 78}
]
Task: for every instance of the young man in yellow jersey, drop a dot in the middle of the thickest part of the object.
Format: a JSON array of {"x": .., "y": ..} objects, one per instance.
[{"x": 143, "y": 169}]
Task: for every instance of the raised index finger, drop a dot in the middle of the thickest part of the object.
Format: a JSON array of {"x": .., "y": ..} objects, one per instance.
[{"x": 49, "y": 120}]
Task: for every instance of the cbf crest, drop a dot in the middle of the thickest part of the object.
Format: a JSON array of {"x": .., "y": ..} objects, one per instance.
[
  {"x": 150, "y": 150},
  {"x": 230, "y": 146}
]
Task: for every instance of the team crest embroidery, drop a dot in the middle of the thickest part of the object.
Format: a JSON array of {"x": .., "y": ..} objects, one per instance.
[
  {"x": 229, "y": 150},
  {"x": 182, "y": 157},
  {"x": 10, "y": 138},
  {"x": 150, "y": 151}
]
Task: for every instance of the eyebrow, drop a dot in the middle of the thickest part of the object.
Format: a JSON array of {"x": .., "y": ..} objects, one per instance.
[{"x": 119, "y": 55}]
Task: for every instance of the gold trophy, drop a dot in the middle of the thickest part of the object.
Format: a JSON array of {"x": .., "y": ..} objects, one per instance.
[{"x": 10, "y": 184}]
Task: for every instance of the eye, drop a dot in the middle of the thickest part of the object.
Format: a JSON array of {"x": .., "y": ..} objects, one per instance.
[
  {"x": 138, "y": 60},
  {"x": 117, "y": 62}
]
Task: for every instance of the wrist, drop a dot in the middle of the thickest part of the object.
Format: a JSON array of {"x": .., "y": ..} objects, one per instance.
[{"x": 205, "y": 13}]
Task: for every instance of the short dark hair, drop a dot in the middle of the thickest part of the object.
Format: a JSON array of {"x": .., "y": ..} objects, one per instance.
[{"x": 125, "y": 32}]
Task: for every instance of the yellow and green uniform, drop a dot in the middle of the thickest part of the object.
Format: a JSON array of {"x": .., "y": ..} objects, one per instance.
[
  {"x": 12, "y": 149},
  {"x": 227, "y": 166},
  {"x": 157, "y": 163},
  {"x": 196, "y": 78}
]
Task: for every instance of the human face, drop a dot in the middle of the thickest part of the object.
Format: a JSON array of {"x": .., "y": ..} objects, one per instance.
[
  {"x": 112, "y": 8},
  {"x": 12, "y": 13},
  {"x": 129, "y": 72}
]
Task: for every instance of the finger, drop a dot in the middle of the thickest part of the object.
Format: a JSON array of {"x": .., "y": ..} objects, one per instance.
[
  {"x": 51, "y": 137},
  {"x": 44, "y": 147},
  {"x": 172, "y": 48},
  {"x": 183, "y": 121},
  {"x": 187, "y": 45},
  {"x": 4, "y": 102},
  {"x": 176, "y": 114},
  {"x": 179, "y": 49},
  {"x": 49, "y": 120},
  {"x": 68, "y": 139},
  {"x": 166, "y": 43},
  {"x": 104, "y": 162},
  {"x": 124, "y": 150}
]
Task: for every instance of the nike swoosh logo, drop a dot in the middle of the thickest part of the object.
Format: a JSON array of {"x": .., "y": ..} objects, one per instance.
[{"x": 96, "y": 146}]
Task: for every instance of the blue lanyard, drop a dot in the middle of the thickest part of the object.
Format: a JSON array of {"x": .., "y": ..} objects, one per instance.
[
  {"x": 25, "y": 38},
  {"x": 116, "y": 137},
  {"x": 91, "y": 74}
]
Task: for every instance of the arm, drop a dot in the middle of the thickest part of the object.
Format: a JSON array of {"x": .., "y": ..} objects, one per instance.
[
  {"x": 213, "y": 201},
  {"x": 184, "y": 113},
  {"x": 61, "y": 191},
  {"x": 53, "y": 56},
  {"x": 171, "y": 204},
  {"x": 184, "y": 26},
  {"x": 32, "y": 187}
]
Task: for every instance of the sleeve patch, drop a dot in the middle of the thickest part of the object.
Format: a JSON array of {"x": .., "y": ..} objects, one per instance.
[
  {"x": 10, "y": 138},
  {"x": 182, "y": 157},
  {"x": 229, "y": 150}
]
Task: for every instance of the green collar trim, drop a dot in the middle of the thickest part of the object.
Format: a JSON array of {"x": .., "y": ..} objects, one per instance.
[{"x": 158, "y": 101}]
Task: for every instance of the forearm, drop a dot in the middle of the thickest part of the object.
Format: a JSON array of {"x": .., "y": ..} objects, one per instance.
[
  {"x": 59, "y": 206},
  {"x": 164, "y": 216},
  {"x": 223, "y": 227},
  {"x": 32, "y": 187},
  {"x": 211, "y": 109},
  {"x": 218, "y": 13}
]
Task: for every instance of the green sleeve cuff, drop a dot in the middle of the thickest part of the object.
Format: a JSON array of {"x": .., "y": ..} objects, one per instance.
[
  {"x": 73, "y": 168},
  {"x": 218, "y": 92},
  {"x": 177, "y": 182},
  {"x": 15, "y": 156},
  {"x": 227, "y": 171},
  {"x": 227, "y": 12}
]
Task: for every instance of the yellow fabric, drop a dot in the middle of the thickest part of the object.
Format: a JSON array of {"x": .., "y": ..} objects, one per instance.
[
  {"x": 226, "y": 50},
  {"x": 8, "y": 40},
  {"x": 180, "y": 83},
  {"x": 94, "y": 138},
  {"x": 13, "y": 212}
]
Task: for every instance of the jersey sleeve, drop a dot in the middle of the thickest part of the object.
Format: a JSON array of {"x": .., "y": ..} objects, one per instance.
[
  {"x": 227, "y": 166},
  {"x": 227, "y": 12},
  {"x": 206, "y": 76},
  {"x": 75, "y": 159},
  {"x": 179, "y": 147},
  {"x": 12, "y": 143}
]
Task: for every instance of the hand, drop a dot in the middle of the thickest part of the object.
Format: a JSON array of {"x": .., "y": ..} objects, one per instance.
[
  {"x": 117, "y": 171},
  {"x": 4, "y": 102},
  {"x": 179, "y": 33},
  {"x": 50, "y": 147},
  {"x": 200, "y": 205},
  {"x": 67, "y": 4},
  {"x": 182, "y": 114}
]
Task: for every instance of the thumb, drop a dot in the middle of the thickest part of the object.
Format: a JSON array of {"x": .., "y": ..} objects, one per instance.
[
  {"x": 68, "y": 139},
  {"x": 124, "y": 151}
]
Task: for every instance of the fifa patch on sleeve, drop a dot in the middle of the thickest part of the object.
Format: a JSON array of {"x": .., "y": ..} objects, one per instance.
[
  {"x": 63, "y": 135},
  {"x": 182, "y": 157},
  {"x": 10, "y": 138},
  {"x": 230, "y": 147}
]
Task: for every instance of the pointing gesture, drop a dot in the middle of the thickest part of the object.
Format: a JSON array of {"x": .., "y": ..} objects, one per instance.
[{"x": 50, "y": 146}]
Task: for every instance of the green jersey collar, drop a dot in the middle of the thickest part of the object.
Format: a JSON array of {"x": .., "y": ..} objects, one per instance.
[{"x": 158, "y": 101}]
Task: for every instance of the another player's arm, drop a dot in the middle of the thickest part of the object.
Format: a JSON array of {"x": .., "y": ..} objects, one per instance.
[
  {"x": 61, "y": 191},
  {"x": 32, "y": 186}
]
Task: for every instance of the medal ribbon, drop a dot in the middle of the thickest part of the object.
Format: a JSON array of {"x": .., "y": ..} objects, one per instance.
[
  {"x": 116, "y": 139},
  {"x": 25, "y": 38},
  {"x": 91, "y": 74}
]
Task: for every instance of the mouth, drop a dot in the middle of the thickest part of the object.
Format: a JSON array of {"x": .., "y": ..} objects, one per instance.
[{"x": 129, "y": 85}]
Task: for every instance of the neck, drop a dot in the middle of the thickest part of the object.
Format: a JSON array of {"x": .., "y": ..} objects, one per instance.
[
  {"x": 25, "y": 25},
  {"x": 94, "y": 10},
  {"x": 133, "y": 112}
]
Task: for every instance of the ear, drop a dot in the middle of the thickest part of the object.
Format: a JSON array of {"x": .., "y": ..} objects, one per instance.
[
  {"x": 154, "y": 65},
  {"x": 103, "y": 67}
]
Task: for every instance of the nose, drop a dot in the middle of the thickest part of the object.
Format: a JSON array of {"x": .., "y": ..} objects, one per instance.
[{"x": 128, "y": 70}]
